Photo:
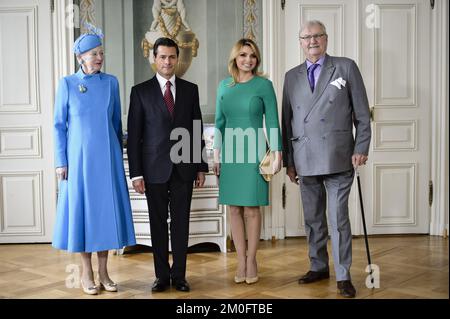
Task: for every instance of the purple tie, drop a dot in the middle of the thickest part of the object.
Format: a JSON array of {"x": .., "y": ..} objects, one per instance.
[
  {"x": 168, "y": 98},
  {"x": 311, "y": 78}
]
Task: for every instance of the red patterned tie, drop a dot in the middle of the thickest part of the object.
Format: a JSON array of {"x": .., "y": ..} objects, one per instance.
[{"x": 168, "y": 98}]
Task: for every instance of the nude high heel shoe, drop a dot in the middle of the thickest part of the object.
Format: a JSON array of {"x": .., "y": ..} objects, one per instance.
[
  {"x": 238, "y": 279},
  {"x": 251, "y": 280},
  {"x": 111, "y": 287},
  {"x": 92, "y": 290}
]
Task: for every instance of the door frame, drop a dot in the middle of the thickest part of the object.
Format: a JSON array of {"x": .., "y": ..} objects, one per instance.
[
  {"x": 439, "y": 222},
  {"x": 273, "y": 64},
  {"x": 63, "y": 38}
]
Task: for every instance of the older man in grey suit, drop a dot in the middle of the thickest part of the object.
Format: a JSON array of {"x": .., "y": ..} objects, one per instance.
[{"x": 322, "y": 99}]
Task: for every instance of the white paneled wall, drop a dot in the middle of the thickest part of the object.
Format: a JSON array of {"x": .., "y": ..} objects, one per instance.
[
  {"x": 27, "y": 179},
  {"x": 18, "y": 56}
]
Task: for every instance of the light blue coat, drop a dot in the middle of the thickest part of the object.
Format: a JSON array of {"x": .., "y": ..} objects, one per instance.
[{"x": 93, "y": 211}]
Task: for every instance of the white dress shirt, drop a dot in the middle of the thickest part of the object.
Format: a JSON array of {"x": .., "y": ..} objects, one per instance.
[{"x": 162, "y": 83}]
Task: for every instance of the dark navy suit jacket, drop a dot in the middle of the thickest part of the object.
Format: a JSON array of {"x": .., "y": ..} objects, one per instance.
[{"x": 149, "y": 128}]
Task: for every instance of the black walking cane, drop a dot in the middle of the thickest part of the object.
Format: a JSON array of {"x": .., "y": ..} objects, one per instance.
[{"x": 364, "y": 226}]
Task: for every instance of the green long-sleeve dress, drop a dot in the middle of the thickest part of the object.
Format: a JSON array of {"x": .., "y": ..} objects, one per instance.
[{"x": 240, "y": 110}]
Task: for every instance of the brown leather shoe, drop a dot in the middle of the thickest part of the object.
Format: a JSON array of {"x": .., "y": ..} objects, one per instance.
[
  {"x": 313, "y": 276},
  {"x": 346, "y": 289}
]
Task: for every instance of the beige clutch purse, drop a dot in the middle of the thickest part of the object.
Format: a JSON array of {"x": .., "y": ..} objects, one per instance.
[{"x": 266, "y": 166}]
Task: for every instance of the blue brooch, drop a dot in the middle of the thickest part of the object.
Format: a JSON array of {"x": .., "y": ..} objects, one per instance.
[{"x": 82, "y": 88}]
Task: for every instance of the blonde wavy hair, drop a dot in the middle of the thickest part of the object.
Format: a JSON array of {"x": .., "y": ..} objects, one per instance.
[{"x": 232, "y": 66}]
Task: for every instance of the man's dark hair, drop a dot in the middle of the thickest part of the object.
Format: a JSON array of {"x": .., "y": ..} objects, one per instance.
[{"x": 166, "y": 42}]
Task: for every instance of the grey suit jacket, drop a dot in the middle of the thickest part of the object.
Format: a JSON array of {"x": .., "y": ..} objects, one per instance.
[{"x": 317, "y": 127}]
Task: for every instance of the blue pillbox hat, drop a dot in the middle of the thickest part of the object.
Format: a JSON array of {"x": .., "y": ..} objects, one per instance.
[{"x": 88, "y": 41}]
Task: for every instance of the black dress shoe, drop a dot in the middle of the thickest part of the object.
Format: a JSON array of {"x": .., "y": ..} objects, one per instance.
[
  {"x": 313, "y": 276},
  {"x": 159, "y": 285},
  {"x": 346, "y": 289},
  {"x": 181, "y": 285}
]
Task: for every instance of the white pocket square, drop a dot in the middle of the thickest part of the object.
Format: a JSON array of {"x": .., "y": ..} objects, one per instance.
[{"x": 339, "y": 83}]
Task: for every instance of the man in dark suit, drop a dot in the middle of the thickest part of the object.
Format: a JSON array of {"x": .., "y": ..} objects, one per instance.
[{"x": 159, "y": 108}]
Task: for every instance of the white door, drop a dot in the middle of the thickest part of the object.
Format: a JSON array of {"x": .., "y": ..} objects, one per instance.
[
  {"x": 387, "y": 41},
  {"x": 395, "y": 61},
  {"x": 27, "y": 180}
]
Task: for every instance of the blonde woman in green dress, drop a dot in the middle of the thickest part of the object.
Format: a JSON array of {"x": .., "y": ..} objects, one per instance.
[{"x": 244, "y": 100}]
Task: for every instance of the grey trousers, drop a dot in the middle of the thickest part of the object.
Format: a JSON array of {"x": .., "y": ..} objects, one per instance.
[{"x": 316, "y": 191}]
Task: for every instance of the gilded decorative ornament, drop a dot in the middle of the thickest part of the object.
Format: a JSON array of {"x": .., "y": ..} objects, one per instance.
[
  {"x": 87, "y": 14},
  {"x": 169, "y": 20},
  {"x": 250, "y": 19}
]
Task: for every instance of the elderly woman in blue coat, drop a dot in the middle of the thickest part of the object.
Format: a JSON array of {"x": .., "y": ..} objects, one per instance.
[{"x": 93, "y": 211}]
